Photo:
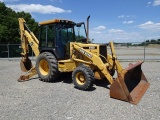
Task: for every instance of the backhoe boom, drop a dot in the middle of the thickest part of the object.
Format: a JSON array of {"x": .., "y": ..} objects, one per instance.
[{"x": 27, "y": 38}]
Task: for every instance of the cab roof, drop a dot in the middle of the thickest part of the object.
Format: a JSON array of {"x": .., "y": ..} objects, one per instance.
[{"x": 56, "y": 21}]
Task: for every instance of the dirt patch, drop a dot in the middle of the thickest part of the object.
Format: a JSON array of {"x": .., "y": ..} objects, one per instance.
[{"x": 153, "y": 46}]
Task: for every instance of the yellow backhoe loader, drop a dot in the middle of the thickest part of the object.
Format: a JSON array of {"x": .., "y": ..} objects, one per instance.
[{"x": 63, "y": 46}]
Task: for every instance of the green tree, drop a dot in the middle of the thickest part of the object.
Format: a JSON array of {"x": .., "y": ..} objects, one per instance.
[
  {"x": 31, "y": 23},
  {"x": 158, "y": 41},
  {"x": 9, "y": 24},
  {"x": 7, "y": 16},
  {"x": 153, "y": 41}
]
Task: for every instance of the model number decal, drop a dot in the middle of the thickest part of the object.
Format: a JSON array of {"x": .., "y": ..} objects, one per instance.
[
  {"x": 85, "y": 53},
  {"x": 90, "y": 47}
]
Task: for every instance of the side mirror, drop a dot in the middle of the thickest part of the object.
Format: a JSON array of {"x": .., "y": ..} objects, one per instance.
[{"x": 79, "y": 24}]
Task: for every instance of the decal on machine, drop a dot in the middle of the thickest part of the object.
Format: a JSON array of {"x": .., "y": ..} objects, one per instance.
[
  {"x": 85, "y": 53},
  {"x": 90, "y": 47}
]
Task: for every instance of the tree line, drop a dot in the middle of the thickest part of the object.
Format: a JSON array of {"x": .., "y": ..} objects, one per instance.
[
  {"x": 9, "y": 25},
  {"x": 145, "y": 43}
]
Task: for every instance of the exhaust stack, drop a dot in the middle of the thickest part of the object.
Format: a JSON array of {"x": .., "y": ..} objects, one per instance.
[{"x": 88, "y": 28}]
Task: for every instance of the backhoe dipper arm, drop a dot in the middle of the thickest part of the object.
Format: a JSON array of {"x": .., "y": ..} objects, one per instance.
[
  {"x": 94, "y": 60},
  {"x": 27, "y": 37}
]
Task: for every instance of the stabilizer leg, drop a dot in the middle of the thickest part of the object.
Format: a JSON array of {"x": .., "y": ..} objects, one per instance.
[{"x": 27, "y": 75}]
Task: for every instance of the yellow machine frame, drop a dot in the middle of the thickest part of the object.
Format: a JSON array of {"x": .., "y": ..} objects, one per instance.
[{"x": 90, "y": 58}]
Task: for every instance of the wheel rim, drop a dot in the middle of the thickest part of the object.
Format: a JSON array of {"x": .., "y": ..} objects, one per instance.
[
  {"x": 80, "y": 78},
  {"x": 44, "y": 67}
]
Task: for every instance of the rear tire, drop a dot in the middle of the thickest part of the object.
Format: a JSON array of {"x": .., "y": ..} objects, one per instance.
[
  {"x": 47, "y": 67},
  {"x": 83, "y": 77}
]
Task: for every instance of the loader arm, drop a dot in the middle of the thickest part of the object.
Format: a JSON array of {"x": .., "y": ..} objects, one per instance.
[
  {"x": 130, "y": 84},
  {"x": 116, "y": 63},
  {"x": 27, "y": 38},
  {"x": 94, "y": 60}
]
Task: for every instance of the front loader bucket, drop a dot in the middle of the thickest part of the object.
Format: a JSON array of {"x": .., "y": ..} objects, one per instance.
[{"x": 130, "y": 85}]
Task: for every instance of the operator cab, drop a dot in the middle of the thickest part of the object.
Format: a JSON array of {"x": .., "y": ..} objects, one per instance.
[{"x": 55, "y": 36}]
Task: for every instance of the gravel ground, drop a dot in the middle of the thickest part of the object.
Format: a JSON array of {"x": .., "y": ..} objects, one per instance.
[{"x": 38, "y": 100}]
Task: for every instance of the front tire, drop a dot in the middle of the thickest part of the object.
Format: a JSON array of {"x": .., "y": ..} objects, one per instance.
[
  {"x": 47, "y": 67},
  {"x": 83, "y": 77}
]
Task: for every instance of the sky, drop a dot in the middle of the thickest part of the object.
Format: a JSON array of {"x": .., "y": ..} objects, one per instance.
[{"x": 116, "y": 20}]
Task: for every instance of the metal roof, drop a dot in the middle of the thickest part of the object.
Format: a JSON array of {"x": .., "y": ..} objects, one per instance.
[{"x": 55, "y": 21}]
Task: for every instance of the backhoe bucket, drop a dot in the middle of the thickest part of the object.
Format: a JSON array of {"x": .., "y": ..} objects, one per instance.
[
  {"x": 26, "y": 65},
  {"x": 130, "y": 85}
]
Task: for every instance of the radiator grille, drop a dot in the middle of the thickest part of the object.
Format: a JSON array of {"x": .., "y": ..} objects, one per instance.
[{"x": 103, "y": 52}]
